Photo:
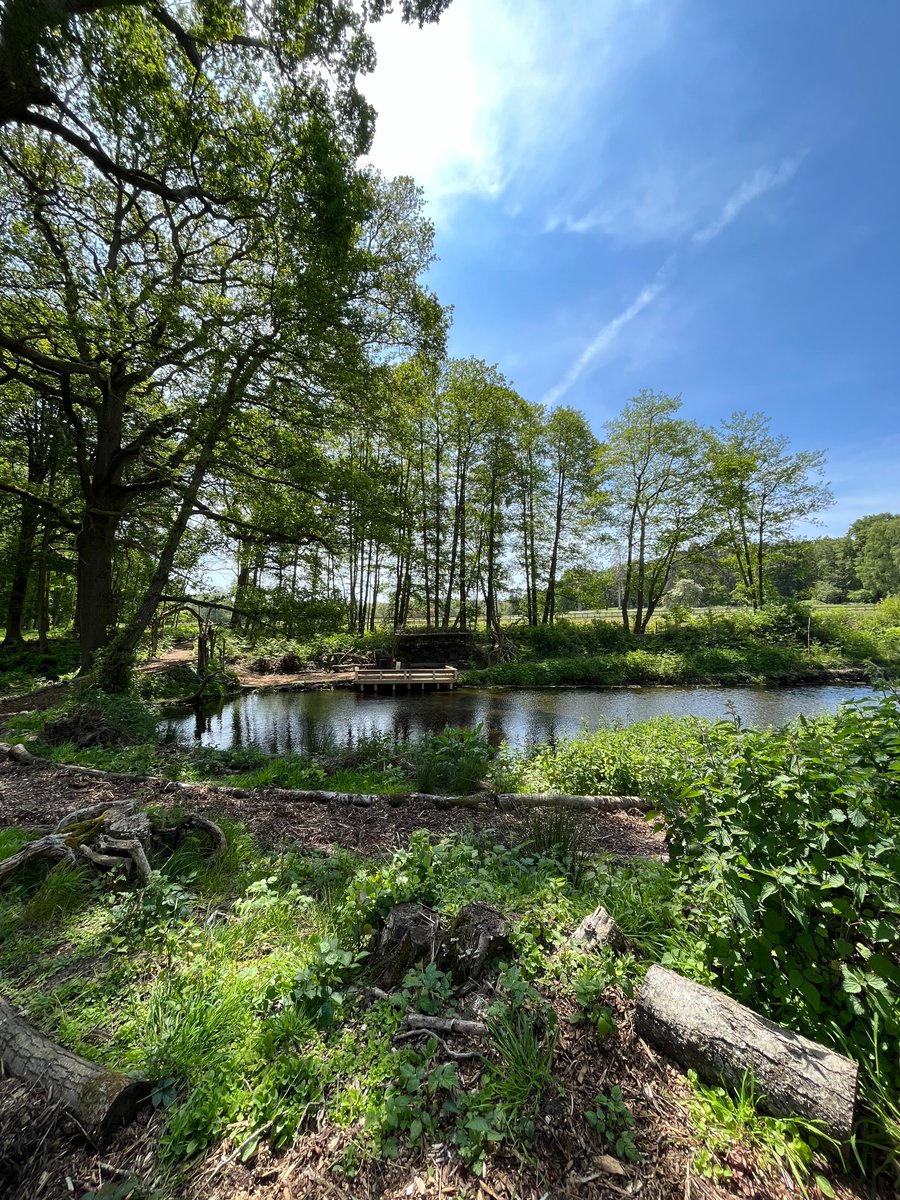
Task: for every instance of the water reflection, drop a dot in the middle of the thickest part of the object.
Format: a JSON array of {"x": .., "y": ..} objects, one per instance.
[{"x": 288, "y": 722}]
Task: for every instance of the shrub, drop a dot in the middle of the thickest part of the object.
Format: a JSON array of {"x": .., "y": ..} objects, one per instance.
[
  {"x": 452, "y": 761},
  {"x": 787, "y": 849},
  {"x": 96, "y": 718}
]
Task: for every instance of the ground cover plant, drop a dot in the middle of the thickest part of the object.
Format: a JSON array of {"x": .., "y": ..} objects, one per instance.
[{"x": 26, "y": 667}]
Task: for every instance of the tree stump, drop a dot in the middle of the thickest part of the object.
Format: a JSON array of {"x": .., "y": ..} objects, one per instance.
[
  {"x": 477, "y": 934},
  {"x": 108, "y": 836},
  {"x": 412, "y": 934},
  {"x": 598, "y": 930},
  {"x": 722, "y": 1040},
  {"x": 100, "y": 1099}
]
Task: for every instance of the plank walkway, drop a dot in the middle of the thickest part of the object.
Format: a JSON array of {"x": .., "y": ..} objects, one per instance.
[{"x": 414, "y": 677}]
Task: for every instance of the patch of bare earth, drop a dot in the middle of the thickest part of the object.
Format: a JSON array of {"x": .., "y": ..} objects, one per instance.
[{"x": 40, "y": 795}]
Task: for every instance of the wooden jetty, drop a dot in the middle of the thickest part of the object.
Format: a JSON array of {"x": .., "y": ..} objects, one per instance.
[{"x": 390, "y": 679}]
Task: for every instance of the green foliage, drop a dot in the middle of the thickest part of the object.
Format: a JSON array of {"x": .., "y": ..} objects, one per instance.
[
  {"x": 558, "y": 833},
  {"x": 887, "y": 612},
  {"x": 406, "y": 1112},
  {"x": 788, "y": 851},
  {"x": 322, "y": 990},
  {"x": 12, "y": 839},
  {"x": 647, "y": 758},
  {"x": 613, "y": 1120},
  {"x": 451, "y": 762},
  {"x": 726, "y": 1121},
  {"x": 427, "y": 989},
  {"x": 96, "y": 718},
  {"x": 178, "y": 680},
  {"x": 24, "y": 668},
  {"x": 64, "y": 889},
  {"x": 783, "y": 642}
]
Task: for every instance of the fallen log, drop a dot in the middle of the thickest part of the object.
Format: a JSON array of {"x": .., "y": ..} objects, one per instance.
[
  {"x": 445, "y": 1025},
  {"x": 723, "y": 1040},
  {"x": 507, "y": 801},
  {"x": 514, "y": 800},
  {"x": 101, "y": 1100}
]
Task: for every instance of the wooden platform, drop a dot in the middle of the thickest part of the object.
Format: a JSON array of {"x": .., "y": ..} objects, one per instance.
[{"x": 390, "y": 680}]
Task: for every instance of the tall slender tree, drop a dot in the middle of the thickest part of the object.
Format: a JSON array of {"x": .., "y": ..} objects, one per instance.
[{"x": 759, "y": 490}]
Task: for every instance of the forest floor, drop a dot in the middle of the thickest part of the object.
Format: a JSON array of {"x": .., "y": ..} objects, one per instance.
[{"x": 38, "y": 795}]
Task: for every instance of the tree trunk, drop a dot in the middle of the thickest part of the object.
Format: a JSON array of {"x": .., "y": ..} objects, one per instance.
[
  {"x": 722, "y": 1040},
  {"x": 94, "y": 548},
  {"x": 15, "y": 606},
  {"x": 102, "y": 1100},
  {"x": 550, "y": 599},
  {"x": 42, "y": 589}
]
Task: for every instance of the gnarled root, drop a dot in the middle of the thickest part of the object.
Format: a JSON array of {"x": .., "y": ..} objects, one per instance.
[{"x": 107, "y": 837}]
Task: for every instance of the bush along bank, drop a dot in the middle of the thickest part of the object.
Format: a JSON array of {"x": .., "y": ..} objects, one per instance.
[{"x": 783, "y": 644}]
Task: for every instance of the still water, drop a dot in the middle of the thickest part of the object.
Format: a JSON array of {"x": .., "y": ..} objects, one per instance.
[{"x": 280, "y": 722}]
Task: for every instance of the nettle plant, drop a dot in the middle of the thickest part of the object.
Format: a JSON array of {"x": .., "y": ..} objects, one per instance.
[{"x": 788, "y": 852}]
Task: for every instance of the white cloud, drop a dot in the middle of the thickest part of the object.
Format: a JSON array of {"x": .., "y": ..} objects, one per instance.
[
  {"x": 761, "y": 181},
  {"x": 669, "y": 200},
  {"x": 489, "y": 93},
  {"x": 605, "y": 338}
]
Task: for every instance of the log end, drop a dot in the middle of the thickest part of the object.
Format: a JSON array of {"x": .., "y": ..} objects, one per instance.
[{"x": 110, "y": 1102}]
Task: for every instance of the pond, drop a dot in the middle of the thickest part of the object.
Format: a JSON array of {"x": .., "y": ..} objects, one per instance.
[{"x": 286, "y": 722}]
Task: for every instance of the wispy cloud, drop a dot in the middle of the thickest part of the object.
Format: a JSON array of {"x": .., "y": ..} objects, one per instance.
[
  {"x": 482, "y": 98},
  {"x": 763, "y": 180},
  {"x": 605, "y": 338}
]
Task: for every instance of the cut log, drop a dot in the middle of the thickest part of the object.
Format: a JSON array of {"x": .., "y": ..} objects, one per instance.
[
  {"x": 722, "y": 1040},
  {"x": 598, "y": 930},
  {"x": 477, "y": 934},
  {"x": 514, "y": 800},
  {"x": 101, "y": 1100}
]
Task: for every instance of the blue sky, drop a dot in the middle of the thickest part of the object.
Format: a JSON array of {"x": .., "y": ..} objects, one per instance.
[{"x": 695, "y": 196}]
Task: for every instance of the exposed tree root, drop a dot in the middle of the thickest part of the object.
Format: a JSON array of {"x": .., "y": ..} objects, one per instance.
[{"x": 113, "y": 836}]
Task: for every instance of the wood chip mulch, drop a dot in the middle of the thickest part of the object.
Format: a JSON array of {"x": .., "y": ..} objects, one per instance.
[{"x": 39, "y": 795}]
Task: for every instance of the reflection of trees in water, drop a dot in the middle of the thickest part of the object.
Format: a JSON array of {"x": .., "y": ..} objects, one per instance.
[{"x": 289, "y": 723}]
